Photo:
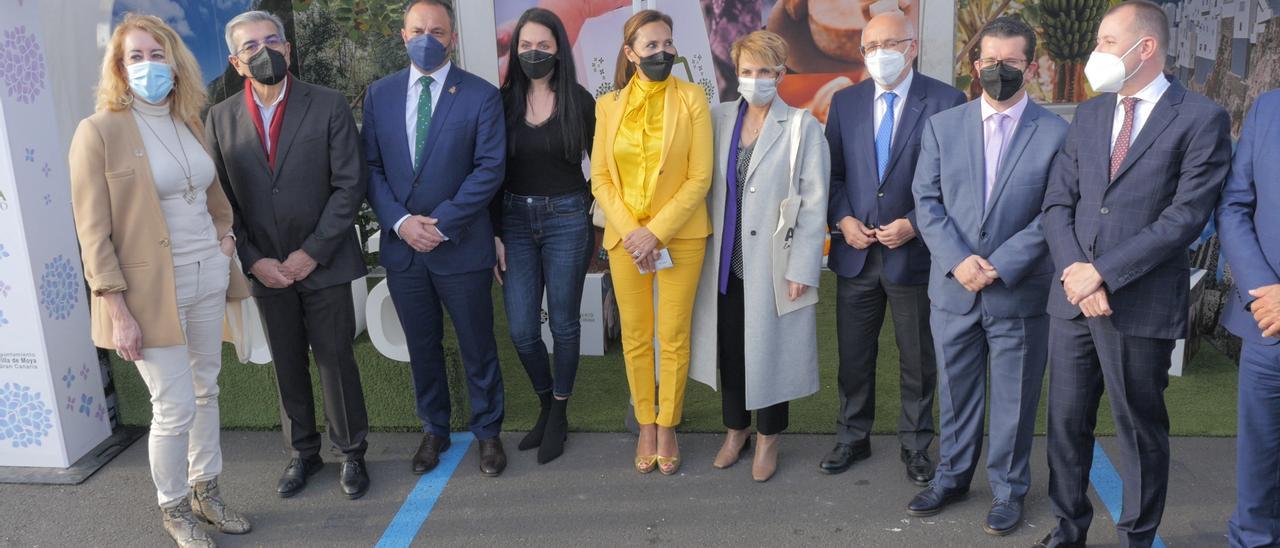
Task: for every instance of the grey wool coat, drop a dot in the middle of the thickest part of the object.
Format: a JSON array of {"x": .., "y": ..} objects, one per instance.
[{"x": 781, "y": 352}]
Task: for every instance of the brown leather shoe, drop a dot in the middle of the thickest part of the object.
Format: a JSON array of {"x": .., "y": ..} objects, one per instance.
[
  {"x": 766, "y": 461},
  {"x": 428, "y": 455},
  {"x": 736, "y": 443},
  {"x": 492, "y": 459},
  {"x": 182, "y": 526},
  {"x": 207, "y": 506}
]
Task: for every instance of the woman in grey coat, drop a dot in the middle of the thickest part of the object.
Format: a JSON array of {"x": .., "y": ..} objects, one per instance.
[{"x": 754, "y": 319}]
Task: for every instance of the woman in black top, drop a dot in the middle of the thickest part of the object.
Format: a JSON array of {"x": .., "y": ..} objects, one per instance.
[{"x": 544, "y": 231}]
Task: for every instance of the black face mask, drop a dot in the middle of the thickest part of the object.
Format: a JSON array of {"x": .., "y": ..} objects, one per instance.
[
  {"x": 657, "y": 67},
  {"x": 268, "y": 66},
  {"x": 1000, "y": 81},
  {"x": 537, "y": 64}
]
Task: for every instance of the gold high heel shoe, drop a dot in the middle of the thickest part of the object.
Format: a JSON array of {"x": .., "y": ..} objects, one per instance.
[
  {"x": 668, "y": 465},
  {"x": 647, "y": 464}
]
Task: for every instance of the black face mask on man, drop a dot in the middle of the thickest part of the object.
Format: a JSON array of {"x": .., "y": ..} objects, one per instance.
[
  {"x": 1000, "y": 81},
  {"x": 268, "y": 66}
]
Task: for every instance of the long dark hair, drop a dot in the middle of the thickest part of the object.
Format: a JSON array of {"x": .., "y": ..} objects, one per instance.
[{"x": 564, "y": 82}]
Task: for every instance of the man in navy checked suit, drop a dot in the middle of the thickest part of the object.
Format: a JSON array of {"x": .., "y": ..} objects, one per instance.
[{"x": 1132, "y": 187}]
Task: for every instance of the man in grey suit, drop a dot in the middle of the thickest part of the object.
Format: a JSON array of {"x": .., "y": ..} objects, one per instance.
[
  {"x": 1132, "y": 187},
  {"x": 289, "y": 158},
  {"x": 978, "y": 189}
]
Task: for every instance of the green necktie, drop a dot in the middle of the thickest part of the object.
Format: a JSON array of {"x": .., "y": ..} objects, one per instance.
[{"x": 424, "y": 119}]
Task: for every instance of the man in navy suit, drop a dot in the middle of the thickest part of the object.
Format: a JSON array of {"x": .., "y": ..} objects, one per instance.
[
  {"x": 435, "y": 143},
  {"x": 1131, "y": 188},
  {"x": 873, "y": 129},
  {"x": 1250, "y": 234},
  {"x": 979, "y": 185}
]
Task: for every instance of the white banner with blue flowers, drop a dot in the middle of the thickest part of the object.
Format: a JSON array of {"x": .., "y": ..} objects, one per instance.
[{"x": 52, "y": 409}]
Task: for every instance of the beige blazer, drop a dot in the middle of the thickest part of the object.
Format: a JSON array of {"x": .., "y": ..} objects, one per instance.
[{"x": 124, "y": 240}]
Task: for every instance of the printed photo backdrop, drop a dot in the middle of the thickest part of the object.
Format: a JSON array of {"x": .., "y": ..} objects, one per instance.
[{"x": 824, "y": 36}]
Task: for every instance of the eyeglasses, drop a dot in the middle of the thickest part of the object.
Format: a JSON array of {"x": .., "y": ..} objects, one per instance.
[
  {"x": 1017, "y": 64},
  {"x": 251, "y": 47},
  {"x": 873, "y": 47}
]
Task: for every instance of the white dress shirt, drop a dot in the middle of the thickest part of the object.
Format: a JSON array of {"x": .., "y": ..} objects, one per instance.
[
  {"x": 901, "y": 91},
  {"x": 411, "y": 112},
  {"x": 267, "y": 111},
  {"x": 1147, "y": 99}
]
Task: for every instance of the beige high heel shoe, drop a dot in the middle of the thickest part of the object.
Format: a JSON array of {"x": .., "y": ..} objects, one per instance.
[
  {"x": 766, "y": 459},
  {"x": 736, "y": 444}
]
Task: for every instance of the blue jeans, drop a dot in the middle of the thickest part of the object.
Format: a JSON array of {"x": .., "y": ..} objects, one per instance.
[{"x": 549, "y": 245}]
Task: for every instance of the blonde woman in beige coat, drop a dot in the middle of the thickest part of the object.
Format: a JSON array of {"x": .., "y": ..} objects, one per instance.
[
  {"x": 754, "y": 319},
  {"x": 155, "y": 237}
]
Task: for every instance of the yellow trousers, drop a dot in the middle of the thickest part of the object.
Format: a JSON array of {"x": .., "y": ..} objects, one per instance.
[{"x": 677, "y": 287}]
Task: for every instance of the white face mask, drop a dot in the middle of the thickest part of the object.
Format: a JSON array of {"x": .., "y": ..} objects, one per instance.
[
  {"x": 1106, "y": 72},
  {"x": 885, "y": 65},
  {"x": 758, "y": 91}
]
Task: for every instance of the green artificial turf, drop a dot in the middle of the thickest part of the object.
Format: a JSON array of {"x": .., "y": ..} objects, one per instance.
[{"x": 1201, "y": 403}]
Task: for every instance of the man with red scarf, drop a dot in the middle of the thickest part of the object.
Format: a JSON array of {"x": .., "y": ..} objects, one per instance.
[{"x": 289, "y": 158}]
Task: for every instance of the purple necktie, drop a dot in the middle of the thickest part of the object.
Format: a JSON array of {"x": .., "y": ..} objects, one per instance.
[{"x": 998, "y": 123}]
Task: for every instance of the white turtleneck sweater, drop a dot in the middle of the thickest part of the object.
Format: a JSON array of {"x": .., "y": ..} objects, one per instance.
[{"x": 191, "y": 232}]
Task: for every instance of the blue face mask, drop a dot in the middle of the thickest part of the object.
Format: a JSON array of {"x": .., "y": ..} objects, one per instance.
[
  {"x": 427, "y": 53},
  {"x": 150, "y": 81}
]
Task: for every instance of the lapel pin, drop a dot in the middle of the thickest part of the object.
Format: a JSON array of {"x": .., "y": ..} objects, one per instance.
[
  {"x": 137, "y": 152},
  {"x": 453, "y": 89}
]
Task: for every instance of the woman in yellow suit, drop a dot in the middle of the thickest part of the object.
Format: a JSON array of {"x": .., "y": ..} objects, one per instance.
[{"x": 650, "y": 173}]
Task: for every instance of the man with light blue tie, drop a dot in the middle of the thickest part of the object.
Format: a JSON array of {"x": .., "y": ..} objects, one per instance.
[
  {"x": 873, "y": 129},
  {"x": 978, "y": 188},
  {"x": 436, "y": 148},
  {"x": 1250, "y": 234}
]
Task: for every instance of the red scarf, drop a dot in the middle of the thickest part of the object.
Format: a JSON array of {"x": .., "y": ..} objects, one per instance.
[{"x": 277, "y": 120}]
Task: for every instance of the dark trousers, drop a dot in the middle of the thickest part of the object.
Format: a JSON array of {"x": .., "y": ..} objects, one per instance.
[
  {"x": 1084, "y": 356},
  {"x": 548, "y": 242},
  {"x": 1256, "y": 521},
  {"x": 418, "y": 295},
  {"x": 730, "y": 331},
  {"x": 860, "y": 307},
  {"x": 325, "y": 321}
]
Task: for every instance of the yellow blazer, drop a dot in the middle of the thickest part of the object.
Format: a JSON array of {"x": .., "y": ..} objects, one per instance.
[
  {"x": 124, "y": 240},
  {"x": 684, "y": 172}
]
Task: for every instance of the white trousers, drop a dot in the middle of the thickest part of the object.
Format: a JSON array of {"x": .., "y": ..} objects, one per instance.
[{"x": 183, "y": 381}]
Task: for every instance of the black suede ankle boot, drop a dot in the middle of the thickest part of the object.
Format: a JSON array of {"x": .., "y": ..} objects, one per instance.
[
  {"x": 534, "y": 437},
  {"x": 556, "y": 433}
]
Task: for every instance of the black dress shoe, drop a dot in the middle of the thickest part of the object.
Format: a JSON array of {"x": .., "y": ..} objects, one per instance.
[
  {"x": 931, "y": 501},
  {"x": 919, "y": 467},
  {"x": 354, "y": 478},
  {"x": 296, "y": 473},
  {"x": 428, "y": 455},
  {"x": 843, "y": 455},
  {"x": 1049, "y": 541},
  {"x": 492, "y": 459},
  {"x": 1003, "y": 518}
]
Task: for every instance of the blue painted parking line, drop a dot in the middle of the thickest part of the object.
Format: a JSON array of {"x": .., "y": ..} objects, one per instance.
[
  {"x": 417, "y": 506},
  {"x": 1106, "y": 481}
]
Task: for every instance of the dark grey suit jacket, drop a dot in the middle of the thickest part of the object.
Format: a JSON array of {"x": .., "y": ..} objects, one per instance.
[
  {"x": 310, "y": 200},
  {"x": 1135, "y": 229}
]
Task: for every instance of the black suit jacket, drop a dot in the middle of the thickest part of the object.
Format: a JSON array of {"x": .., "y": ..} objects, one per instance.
[
  {"x": 1135, "y": 229},
  {"x": 310, "y": 200}
]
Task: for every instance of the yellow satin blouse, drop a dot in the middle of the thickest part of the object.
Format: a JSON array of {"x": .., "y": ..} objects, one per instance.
[{"x": 638, "y": 146}]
